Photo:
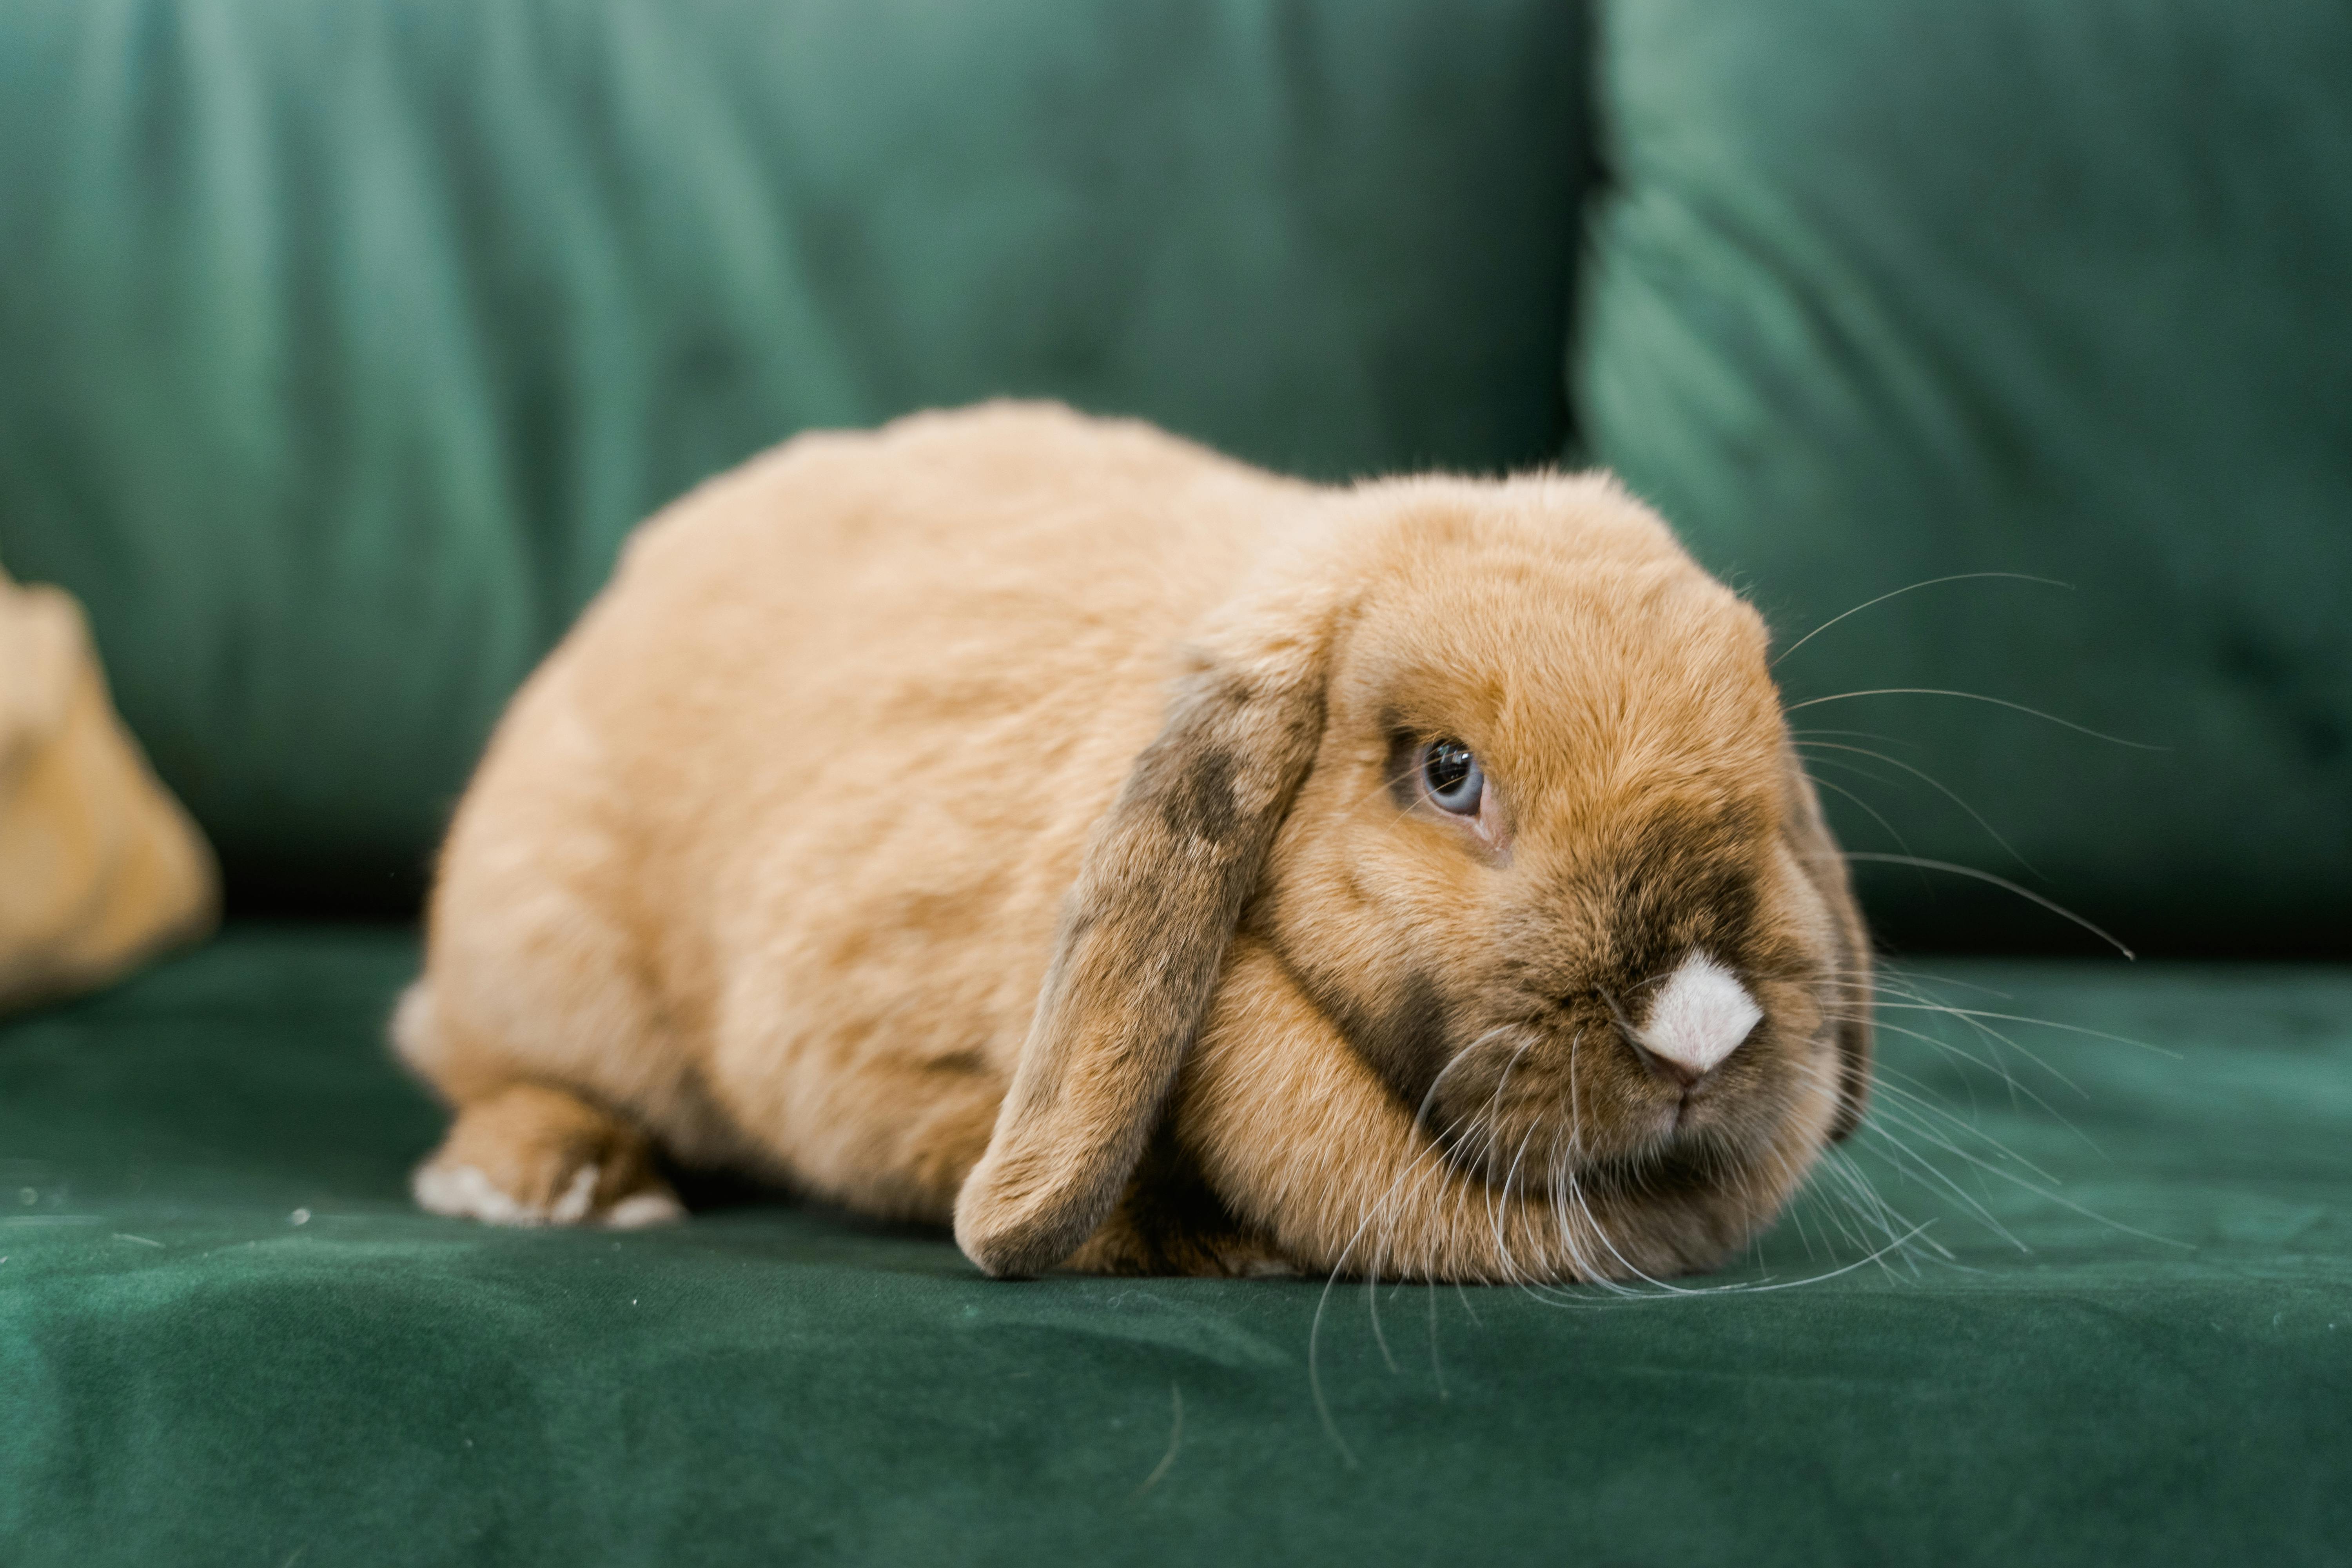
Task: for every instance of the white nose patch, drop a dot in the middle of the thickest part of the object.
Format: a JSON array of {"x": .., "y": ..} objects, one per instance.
[{"x": 1700, "y": 1017}]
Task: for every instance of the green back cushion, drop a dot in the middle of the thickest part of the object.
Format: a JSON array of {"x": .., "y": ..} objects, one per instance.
[
  {"x": 340, "y": 341},
  {"x": 1887, "y": 290}
]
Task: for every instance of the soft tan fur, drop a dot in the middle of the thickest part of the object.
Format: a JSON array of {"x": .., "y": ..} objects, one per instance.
[
  {"x": 99, "y": 868},
  {"x": 997, "y": 817}
]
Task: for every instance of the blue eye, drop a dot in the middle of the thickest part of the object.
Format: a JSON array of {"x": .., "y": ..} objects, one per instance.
[{"x": 1452, "y": 777}]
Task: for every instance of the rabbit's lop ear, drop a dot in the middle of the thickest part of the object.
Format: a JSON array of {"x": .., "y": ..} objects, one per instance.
[
  {"x": 1808, "y": 837},
  {"x": 1142, "y": 939}
]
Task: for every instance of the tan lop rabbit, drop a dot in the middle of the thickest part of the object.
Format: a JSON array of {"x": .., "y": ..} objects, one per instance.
[{"x": 1151, "y": 865}]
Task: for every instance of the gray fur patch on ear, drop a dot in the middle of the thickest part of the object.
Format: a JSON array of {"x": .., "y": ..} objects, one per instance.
[
  {"x": 1143, "y": 936},
  {"x": 1197, "y": 803}
]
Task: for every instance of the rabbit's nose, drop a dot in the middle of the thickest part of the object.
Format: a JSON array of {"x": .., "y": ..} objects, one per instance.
[
  {"x": 1700, "y": 1017},
  {"x": 1664, "y": 1068}
]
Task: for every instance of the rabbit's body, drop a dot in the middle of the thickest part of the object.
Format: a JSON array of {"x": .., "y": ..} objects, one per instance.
[
  {"x": 771, "y": 850},
  {"x": 772, "y": 861}
]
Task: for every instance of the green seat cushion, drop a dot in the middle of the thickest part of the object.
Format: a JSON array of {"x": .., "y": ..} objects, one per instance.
[
  {"x": 340, "y": 341},
  {"x": 1884, "y": 290},
  {"x": 226, "y": 1338}
]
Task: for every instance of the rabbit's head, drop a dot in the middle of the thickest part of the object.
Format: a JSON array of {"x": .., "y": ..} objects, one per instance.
[{"x": 1500, "y": 779}]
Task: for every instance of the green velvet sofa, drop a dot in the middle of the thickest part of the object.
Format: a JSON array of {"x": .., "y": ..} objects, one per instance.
[{"x": 341, "y": 341}]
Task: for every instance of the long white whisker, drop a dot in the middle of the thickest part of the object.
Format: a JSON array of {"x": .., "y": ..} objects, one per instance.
[
  {"x": 2039, "y": 1023},
  {"x": 1978, "y": 697},
  {"x": 2026, "y": 893},
  {"x": 1983, "y": 1031},
  {"x": 1913, "y": 588},
  {"x": 1891, "y": 831},
  {"x": 1932, "y": 782}
]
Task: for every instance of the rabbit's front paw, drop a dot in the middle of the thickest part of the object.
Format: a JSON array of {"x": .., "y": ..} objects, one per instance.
[{"x": 534, "y": 1155}]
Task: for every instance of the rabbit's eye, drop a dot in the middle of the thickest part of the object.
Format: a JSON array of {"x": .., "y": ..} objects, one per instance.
[{"x": 1452, "y": 777}]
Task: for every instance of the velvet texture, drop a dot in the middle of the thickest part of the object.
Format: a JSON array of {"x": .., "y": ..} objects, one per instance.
[
  {"x": 346, "y": 341},
  {"x": 226, "y": 1337},
  {"x": 345, "y": 338},
  {"x": 1886, "y": 290}
]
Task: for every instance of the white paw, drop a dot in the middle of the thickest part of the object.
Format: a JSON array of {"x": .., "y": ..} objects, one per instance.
[
  {"x": 466, "y": 1192},
  {"x": 640, "y": 1209},
  {"x": 572, "y": 1207}
]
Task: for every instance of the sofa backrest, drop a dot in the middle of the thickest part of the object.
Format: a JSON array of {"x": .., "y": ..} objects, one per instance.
[
  {"x": 340, "y": 341},
  {"x": 345, "y": 339},
  {"x": 1882, "y": 291}
]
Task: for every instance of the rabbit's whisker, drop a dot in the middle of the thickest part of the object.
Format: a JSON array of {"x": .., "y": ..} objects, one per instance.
[
  {"x": 2026, "y": 893},
  {"x": 1925, "y": 777},
  {"x": 1978, "y": 697},
  {"x": 1891, "y": 831},
  {"x": 1913, "y": 588}
]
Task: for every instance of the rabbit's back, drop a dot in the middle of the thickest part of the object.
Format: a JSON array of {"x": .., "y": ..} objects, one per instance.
[{"x": 771, "y": 847}]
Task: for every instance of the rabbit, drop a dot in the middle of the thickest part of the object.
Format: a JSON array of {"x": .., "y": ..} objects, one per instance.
[{"x": 1040, "y": 824}]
